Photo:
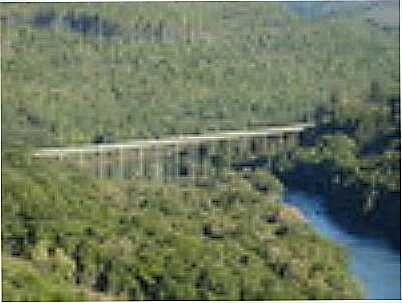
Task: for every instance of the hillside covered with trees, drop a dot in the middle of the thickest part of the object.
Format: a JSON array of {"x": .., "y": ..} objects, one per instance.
[
  {"x": 102, "y": 72},
  {"x": 353, "y": 157},
  {"x": 74, "y": 71},
  {"x": 137, "y": 240}
]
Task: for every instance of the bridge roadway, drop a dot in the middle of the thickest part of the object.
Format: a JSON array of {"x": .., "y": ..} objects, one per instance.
[{"x": 51, "y": 152}]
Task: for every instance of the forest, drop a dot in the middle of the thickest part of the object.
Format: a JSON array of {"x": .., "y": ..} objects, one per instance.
[
  {"x": 76, "y": 73},
  {"x": 225, "y": 241},
  {"x": 353, "y": 157},
  {"x": 129, "y": 71}
]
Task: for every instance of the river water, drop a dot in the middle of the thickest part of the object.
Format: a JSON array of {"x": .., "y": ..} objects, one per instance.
[{"x": 372, "y": 261}]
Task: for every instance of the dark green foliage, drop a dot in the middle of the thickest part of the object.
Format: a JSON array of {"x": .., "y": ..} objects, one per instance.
[
  {"x": 356, "y": 163},
  {"x": 264, "y": 181}
]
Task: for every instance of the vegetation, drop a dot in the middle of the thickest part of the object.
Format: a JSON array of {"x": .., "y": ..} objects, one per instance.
[
  {"x": 81, "y": 73},
  {"x": 354, "y": 159},
  {"x": 137, "y": 240}
]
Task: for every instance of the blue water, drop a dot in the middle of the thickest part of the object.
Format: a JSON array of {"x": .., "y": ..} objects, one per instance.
[{"x": 372, "y": 261}]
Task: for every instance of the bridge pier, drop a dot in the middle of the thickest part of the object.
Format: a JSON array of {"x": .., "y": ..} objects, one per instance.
[
  {"x": 258, "y": 145},
  {"x": 281, "y": 140},
  {"x": 193, "y": 161},
  {"x": 177, "y": 160},
  {"x": 167, "y": 164},
  {"x": 243, "y": 148},
  {"x": 205, "y": 163},
  {"x": 204, "y": 159},
  {"x": 128, "y": 158},
  {"x": 229, "y": 151},
  {"x": 121, "y": 162},
  {"x": 156, "y": 162},
  {"x": 110, "y": 166},
  {"x": 272, "y": 146},
  {"x": 211, "y": 155},
  {"x": 288, "y": 140},
  {"x": 100, "y": 163},
  {"x": 141, "y": 163},
  {"x": 81, "y": 159}
]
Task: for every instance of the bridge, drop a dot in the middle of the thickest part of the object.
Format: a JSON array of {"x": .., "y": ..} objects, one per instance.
[
  {"x": 188, "y": 153},
  {"x": 180, "y": 140}
]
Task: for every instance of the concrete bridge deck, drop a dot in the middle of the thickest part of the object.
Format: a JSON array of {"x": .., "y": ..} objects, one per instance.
[{"x": 50, "y": 152}]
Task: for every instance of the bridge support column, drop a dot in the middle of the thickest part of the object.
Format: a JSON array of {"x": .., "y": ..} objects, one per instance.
[
  {"x": 194, "y": 161},
  {"x": 281, "y": 139},
  {"x": 81, "y": 159},
  {"x": 273, "y": 145},
  {"x": 301, "y": 138},
  {"x": 229, "y": 154},
  {"x": 254, "y": 145},
  {"x": 159, "y": 169},
  {"x": 244, "y": 148},
  {"x": 121, "y": 163},
  {"x": 129, "y": 159},
  {"x": 110, "y": 166},
  {"x": 288, "y": 140},
  {"x": 211, "y": 155},
  {"x": 100, "y": 163},
  {"x": 205, "y": 161},
  {"x": 141, "y": 162},
  {"x": 257, "y": 145},
  {"x": 295, "y": 139},
  {"x": 177, "y": 160},
  {"x": 167, "y": 165}
]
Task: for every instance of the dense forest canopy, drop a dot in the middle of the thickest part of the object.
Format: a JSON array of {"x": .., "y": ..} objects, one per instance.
[
  {"x": 146, "y": 70},
  {"x": 354, "y": 159},
  {"x": 138, "y": 240},
  {"x": 103, "y": 72}
]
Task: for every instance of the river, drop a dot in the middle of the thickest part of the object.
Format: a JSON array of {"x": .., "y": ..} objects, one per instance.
[{"x": 372, "y": 261}]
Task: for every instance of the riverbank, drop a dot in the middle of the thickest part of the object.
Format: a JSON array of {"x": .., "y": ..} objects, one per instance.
[
  {"x": 345, "y": 205},
  {"x": 373, "y": 261}
]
